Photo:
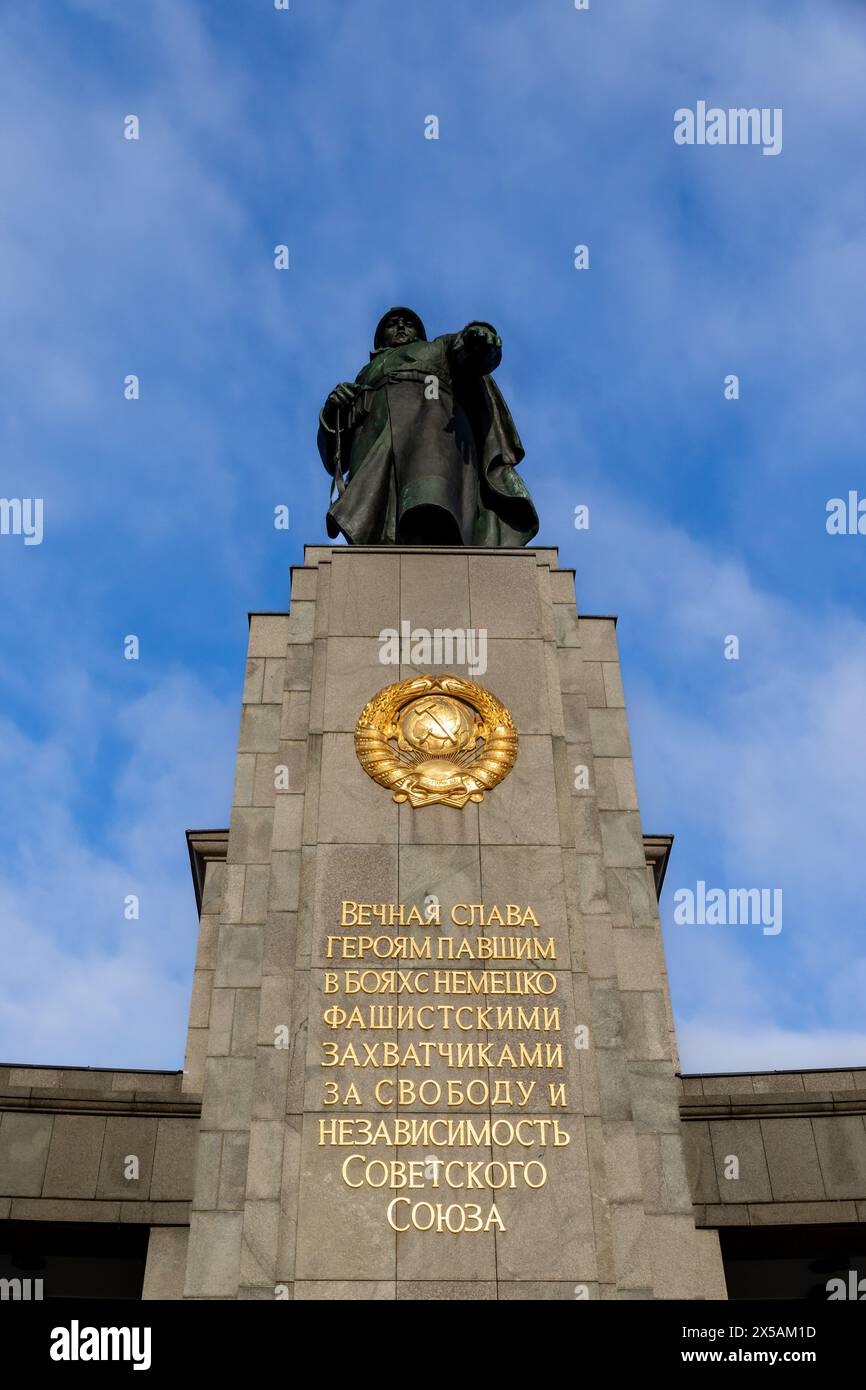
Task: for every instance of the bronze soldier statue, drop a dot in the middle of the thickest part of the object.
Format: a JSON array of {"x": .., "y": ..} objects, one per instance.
[{"x": 422, "y": 447}]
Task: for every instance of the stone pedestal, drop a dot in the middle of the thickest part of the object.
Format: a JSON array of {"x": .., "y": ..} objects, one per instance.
[{"x": 273, "y": 1214}]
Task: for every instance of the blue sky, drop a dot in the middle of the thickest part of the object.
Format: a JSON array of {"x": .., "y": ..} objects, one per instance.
[{"x": 707, "y": 516}]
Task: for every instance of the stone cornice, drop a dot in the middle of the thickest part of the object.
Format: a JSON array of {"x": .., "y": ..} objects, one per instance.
[{"x": 206, "y": 845}]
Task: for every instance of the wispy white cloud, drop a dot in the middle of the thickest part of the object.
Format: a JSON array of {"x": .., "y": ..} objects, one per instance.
[
  {"x": 732, "y": 1045},
  {"x": 81, "y": 984}
]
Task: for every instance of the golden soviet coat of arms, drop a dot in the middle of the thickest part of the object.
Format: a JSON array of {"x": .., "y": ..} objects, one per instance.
[{"x": 436, "y": 739}]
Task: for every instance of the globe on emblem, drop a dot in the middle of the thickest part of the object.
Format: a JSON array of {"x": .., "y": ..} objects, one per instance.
[{"x": 437, "y": 726}]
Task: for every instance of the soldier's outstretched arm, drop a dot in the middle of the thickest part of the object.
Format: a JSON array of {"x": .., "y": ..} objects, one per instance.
[{"x": 477, "y": 349}]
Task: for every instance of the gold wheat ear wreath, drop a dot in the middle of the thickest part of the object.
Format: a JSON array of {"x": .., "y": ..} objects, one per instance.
[{"x": 436, "y": 739}]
